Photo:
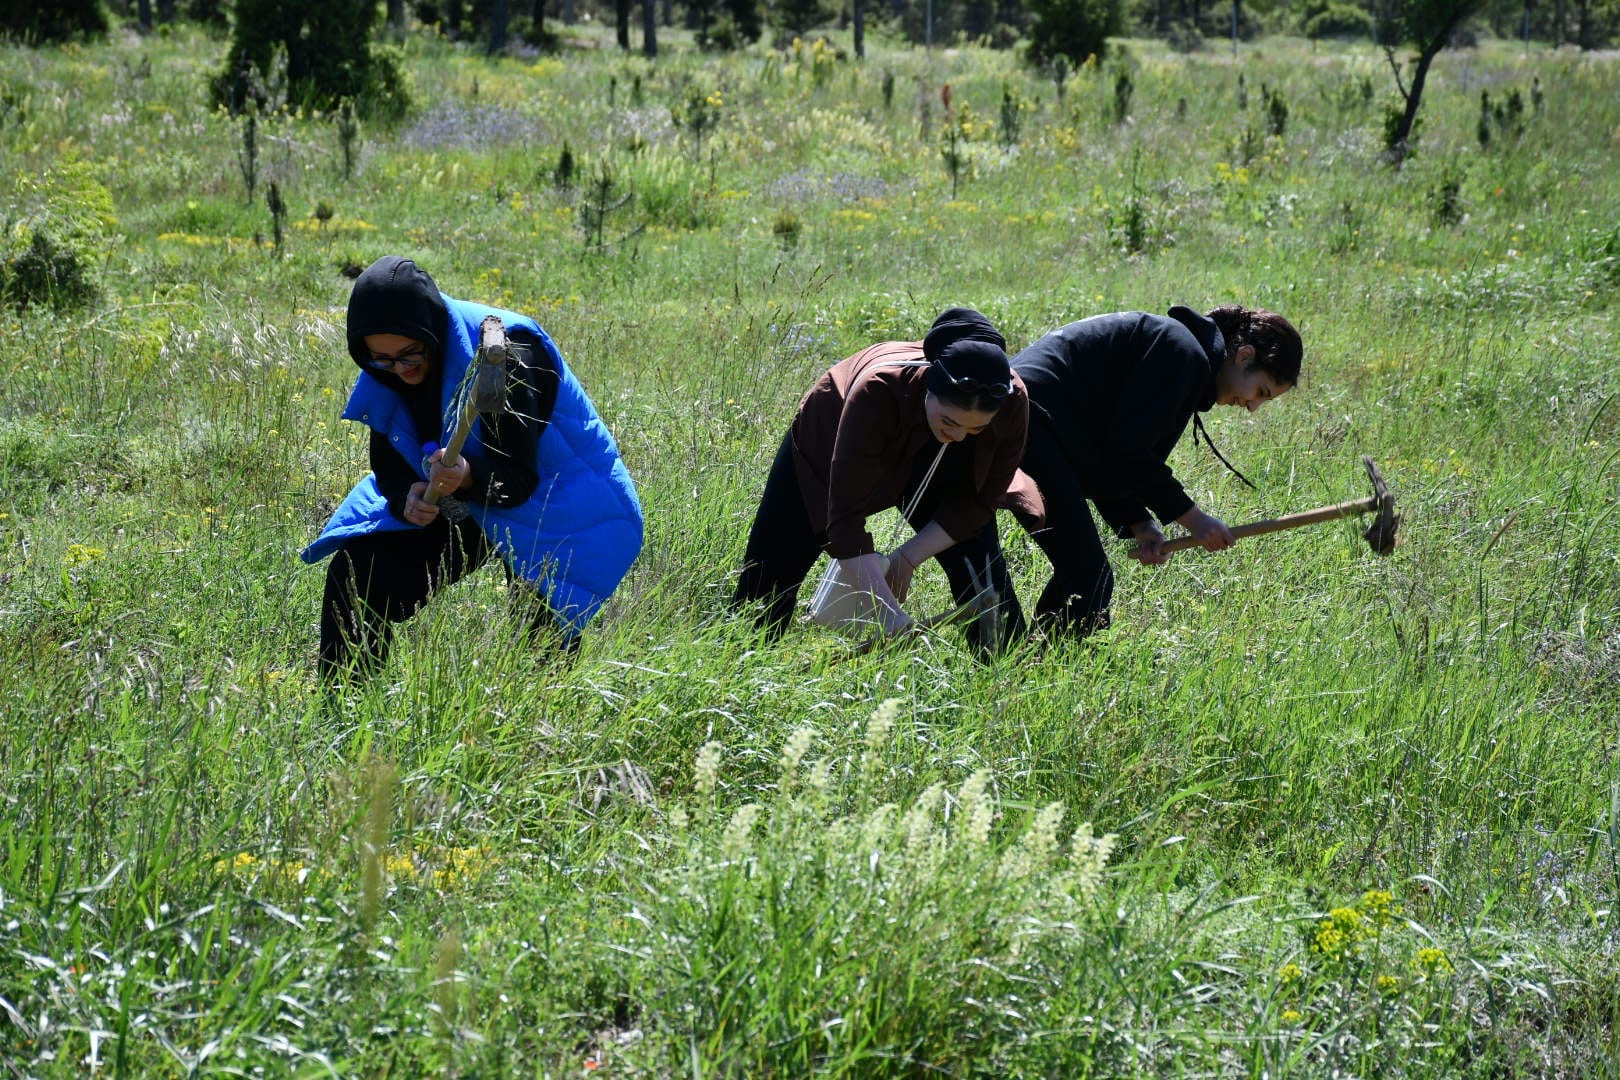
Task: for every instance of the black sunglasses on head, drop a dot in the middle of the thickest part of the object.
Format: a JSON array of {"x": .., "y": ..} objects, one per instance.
[{"x": 971, "y": 387}]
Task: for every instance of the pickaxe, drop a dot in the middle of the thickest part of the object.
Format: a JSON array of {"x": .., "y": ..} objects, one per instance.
[
  {"x": 488, "y": 393},
  {"x": 1380, "y": 534}
]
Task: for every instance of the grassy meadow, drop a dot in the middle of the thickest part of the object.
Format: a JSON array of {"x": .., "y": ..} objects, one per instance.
[{"x": 1302, "y": 811}]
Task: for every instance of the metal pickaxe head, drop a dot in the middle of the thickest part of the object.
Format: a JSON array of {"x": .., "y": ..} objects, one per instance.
[{"x": 1381, "y": 534}]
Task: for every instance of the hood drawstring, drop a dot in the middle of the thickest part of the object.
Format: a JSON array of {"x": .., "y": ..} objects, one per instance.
[{"x": 1198, "y": 429}]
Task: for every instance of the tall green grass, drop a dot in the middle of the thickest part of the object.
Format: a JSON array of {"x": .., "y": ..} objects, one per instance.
[{"x": 1367, "y": 810}]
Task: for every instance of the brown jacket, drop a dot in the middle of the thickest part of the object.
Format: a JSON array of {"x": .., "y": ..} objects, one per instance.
[{"x": 861, "y": 426}]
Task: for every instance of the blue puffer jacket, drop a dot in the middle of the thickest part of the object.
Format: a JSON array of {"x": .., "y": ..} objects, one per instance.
[{"x": 575, "y": 537}]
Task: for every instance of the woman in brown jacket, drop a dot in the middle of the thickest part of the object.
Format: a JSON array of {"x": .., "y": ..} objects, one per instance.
[{"x": 862, "y": 441}]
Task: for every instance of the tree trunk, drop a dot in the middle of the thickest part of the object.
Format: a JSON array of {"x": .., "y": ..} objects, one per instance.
[
  {"x": 1414, "y": 96},
  {"x": 649, "y": 28},
  {"x": 621, "y": 23},
  {"x": 396, "y": 16},
  {"x": 499, "y": 15},
  {"x": 860, "y": 29},
  {"x": 165, "y": 11},
  {"x": 143, "y": 9},
  {"x": 569, "y": 16}
]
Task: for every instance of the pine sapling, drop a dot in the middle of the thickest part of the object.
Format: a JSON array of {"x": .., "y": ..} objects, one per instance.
[
  {"x": 348, "y": 128},
  {"x": 278, "y": 213}
]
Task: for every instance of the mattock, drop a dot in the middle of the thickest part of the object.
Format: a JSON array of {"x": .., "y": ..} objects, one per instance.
[
  {"x": 488, "y": 394},
  {"x": 1380, "y": 535}
]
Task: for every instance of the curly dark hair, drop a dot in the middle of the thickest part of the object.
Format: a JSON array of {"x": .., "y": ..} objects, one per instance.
[{"x": 1278, "y": 350}]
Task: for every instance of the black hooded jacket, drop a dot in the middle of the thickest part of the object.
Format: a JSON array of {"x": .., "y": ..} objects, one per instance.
[
  {"x": 395, "y": 296},
  {"x": 1116, "y": 392}
]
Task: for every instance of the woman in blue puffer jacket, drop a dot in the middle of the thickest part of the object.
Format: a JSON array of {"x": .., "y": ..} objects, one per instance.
[{"x": 541, "y": 484}]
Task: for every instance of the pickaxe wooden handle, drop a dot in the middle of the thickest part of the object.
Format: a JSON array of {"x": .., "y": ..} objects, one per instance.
[
  {"x": 1287, "y": 521},
  {"x": 1381, "y": 535},
  {"x": 487, "y": 394}
]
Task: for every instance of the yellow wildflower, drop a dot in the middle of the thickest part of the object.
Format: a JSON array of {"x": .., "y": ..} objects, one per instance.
[
  {"x": 80, "y": 554},
  {"x": 1430, "y": 962},
  {"x": 1379, "y": 907}
]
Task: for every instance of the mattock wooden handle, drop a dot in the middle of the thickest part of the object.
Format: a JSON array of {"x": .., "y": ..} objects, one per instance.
[
  {"x": 1381, "y": 535},
  {"x": 487, "y": 395}
]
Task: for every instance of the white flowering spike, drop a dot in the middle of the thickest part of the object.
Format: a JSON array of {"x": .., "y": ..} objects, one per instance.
[
  {"x": 1088, "y": 854},
  {"x": 739, "y": 834},
  {"x": 875, "y": 829},
  {"x": 793, "y": 751},
  {"x": 978, "y": 809},
  {"x": 1042, "y": 836},
  {"x": 881, "y": 724},
  {"x": 1035, "y": 848},
  {"x": 920, "y": 820},
  {"x": 706, "y": 774},
  {"x": 819, "y": 778}
]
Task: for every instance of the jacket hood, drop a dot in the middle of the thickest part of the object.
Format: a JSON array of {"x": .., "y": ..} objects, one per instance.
[
  {"x": 1210, "y": 339},
  {"x": 395, "y": 296}
]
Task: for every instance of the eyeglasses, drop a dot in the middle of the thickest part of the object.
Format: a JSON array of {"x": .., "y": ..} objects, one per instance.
[
  {"x": 971, "y": 387},
  {"x": 410, "y": 358}
]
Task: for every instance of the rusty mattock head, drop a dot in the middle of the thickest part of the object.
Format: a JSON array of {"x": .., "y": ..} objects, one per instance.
[
  {"x": 1381, "y": 534},
  {"x": 489, "y": 382}
]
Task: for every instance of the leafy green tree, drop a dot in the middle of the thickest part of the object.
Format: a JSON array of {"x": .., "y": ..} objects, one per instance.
[
  {"x": 741, "y": 24},
  {"x": 1333, "y": 18},
  {"x": 795, "y": 18},
  {"x": 329, "y": 54},
  {"x": 1074, "y": 29},
  {"x": 51, "y": 20},
  {"x": 210, "y": 13},
  {"x": 1426, "y": 26},
  {"x": 1596, "y": 23}
]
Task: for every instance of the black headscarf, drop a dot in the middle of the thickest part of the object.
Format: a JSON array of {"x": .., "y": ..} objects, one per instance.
[
  {"x": 964, "y": 345},
  {"x": 395, "y": 296}
]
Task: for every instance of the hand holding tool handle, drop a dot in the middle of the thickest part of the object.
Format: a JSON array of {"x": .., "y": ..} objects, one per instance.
[
  {"x": 1287, "y": 521},
  {"x": 1380, "y": 535},
  {"x": 488, "y": 392}
]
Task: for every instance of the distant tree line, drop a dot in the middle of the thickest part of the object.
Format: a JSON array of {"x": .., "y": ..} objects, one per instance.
[{"x": 1072, "y": 29}]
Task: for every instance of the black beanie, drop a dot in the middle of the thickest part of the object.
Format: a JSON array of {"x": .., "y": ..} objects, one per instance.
[
  {"x": 963, "y": 344},
  {"x": 395, "y": 296},
  {"x": 960, "y": 324}
]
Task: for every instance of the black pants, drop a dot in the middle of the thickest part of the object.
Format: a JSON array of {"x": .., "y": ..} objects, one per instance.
[
  {"x": 384, "y": 578},
  {"x": 782, "y": 547},
  {"x": 1076, "y": 599}
]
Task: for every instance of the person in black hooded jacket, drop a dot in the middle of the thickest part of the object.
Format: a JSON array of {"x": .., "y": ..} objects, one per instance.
[{"x": 1109, "y": 398}]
